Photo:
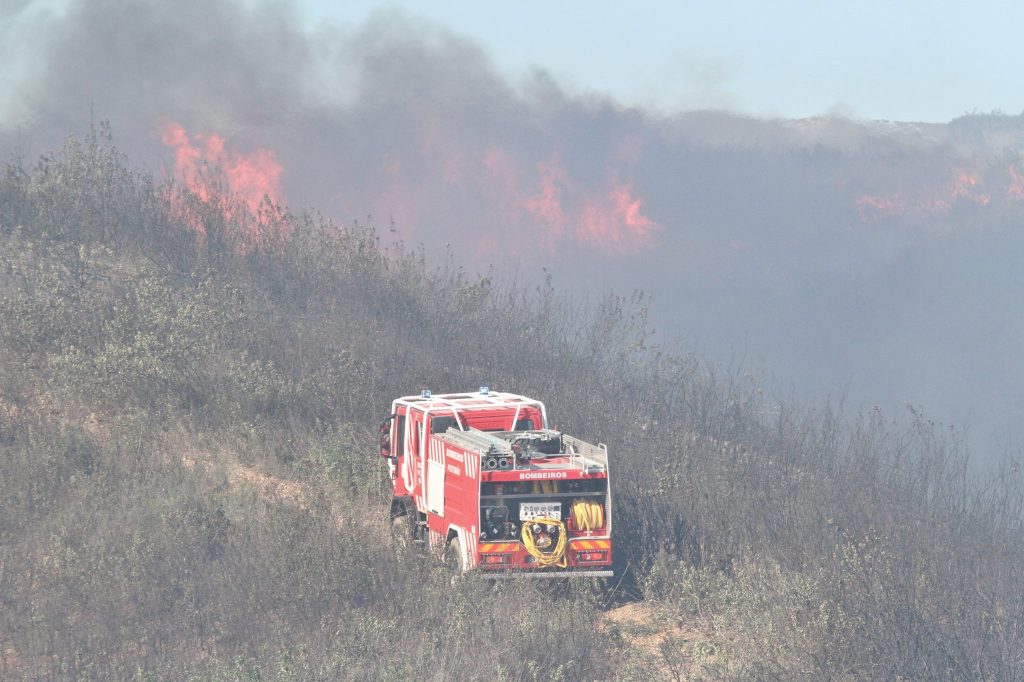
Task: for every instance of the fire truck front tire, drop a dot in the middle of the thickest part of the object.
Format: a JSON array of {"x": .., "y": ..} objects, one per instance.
[
  {"x": 453, "y": 560},
  {"x": 400, "y": 529}
]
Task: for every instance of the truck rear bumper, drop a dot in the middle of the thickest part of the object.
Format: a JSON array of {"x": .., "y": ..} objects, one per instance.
[{"x": 549, "y": 574}]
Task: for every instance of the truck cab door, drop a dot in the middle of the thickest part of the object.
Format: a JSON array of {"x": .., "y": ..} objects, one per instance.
[
  {"x": 412, "y": 433},
  {"x": 435, "y": 468},
  {"x": 400, "y": 460}
]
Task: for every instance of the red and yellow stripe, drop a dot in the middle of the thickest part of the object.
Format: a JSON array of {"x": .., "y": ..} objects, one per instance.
[
  {"x": 576, "y": 543},
  {"x": 498, "y": 547}
]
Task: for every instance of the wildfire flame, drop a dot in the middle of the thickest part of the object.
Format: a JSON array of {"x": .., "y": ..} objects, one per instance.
[
  {"x": 534, "y": 205},
  {"x": 872, "y": 207},
  {"x": 963, "y": 188},
  {"x": 545, "y": 203},
  {"x": 1015, "y": 191},
  {"x": 609, "y": 217},
  {"x": 250, "y": 179},
  {"x": 615, "y": 220}
]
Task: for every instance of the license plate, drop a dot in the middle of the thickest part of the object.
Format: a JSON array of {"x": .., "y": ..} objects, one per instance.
[{"x": 533, "y": 510}]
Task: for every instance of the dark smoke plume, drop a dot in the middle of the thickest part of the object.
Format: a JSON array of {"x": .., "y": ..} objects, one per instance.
[{"x": 881, "y": 257}]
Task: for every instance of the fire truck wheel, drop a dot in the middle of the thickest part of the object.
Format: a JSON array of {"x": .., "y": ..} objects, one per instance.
[{"x": 453, "y": 557}]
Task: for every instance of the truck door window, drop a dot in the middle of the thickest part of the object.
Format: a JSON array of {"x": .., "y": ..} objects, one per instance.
[
  {"x": 441, "y": 424},
  {"x": 400, "y": 440},
  {"x": 415, "y": 433}
]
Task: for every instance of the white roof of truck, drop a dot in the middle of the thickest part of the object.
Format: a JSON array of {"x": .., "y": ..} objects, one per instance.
[{"x": 462, "y": 402}]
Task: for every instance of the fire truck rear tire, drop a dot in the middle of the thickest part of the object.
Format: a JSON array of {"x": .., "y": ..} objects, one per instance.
[{"x": 453, "y": 557}]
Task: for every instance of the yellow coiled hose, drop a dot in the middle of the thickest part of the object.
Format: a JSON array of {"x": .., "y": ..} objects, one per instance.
[
  {"x": 587, "y": 515},
  {"x": 555, "y": 557}
]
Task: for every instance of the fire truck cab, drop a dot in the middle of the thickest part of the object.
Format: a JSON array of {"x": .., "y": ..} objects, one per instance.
[{"x": 483, "y": 479}]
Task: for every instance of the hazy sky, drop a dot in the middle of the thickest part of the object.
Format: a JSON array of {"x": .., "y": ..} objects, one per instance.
[{"x": 908, "y": 60}]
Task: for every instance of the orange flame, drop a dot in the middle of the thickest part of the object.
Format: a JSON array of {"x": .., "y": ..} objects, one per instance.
[
  {"x": 611, "y": 218},
  {"x": 186, "y": 159},
  {"x": 1015, "y": 192},
  {"x": 615, "y": 220},
  {"x": 872, "y": 208},
  {"x": 250, "y": 179},
  {"x": 964, "y": 187},
  {"x": 545, "y": 204}
]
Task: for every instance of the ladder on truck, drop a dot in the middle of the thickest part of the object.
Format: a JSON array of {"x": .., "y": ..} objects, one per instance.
[{"x": 579, "y": 453}]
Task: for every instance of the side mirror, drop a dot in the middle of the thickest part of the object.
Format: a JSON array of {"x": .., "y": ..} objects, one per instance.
[{"x": 385, "y": 437}]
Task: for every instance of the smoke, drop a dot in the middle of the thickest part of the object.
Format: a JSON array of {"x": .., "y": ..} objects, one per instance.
[
  {"x": 879, "y": 257},
  {"x": 393, "y": 120}
]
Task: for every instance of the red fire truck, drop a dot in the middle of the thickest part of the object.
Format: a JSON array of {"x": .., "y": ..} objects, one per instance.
[{"x": 484, "y": 480}]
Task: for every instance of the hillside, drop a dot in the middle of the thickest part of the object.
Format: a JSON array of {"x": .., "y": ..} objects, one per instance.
[{"x": 188, "y": 487}]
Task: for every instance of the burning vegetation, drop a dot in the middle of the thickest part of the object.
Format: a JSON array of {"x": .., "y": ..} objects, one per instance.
[
  {"x": 250, "y": 178},
  {"x": 233, "y": 185}
]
